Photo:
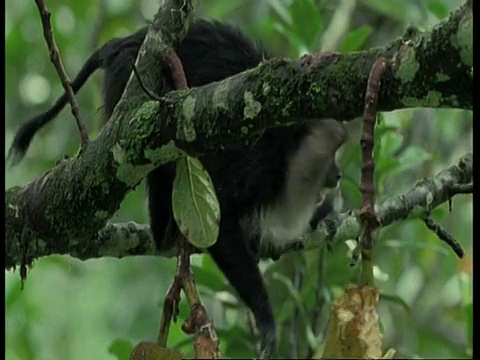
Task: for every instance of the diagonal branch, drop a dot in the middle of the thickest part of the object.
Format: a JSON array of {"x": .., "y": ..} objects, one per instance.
[
  {"x": 62, "y": 73},
  {"x": 73, "y": 201},
  {"x": 130, "y": 239}
]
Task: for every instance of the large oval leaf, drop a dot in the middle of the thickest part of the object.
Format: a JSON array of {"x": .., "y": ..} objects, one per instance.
[{"x": 195, "y": 204}]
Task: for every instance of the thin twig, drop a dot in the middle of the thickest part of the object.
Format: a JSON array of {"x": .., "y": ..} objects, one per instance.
[
  {"x": 367, "y": 186},
  {"x": 57, "y": 62},
  {"x": 206, "y": 340},
  {"x": 294, "y": 323},
  {"x": 445, "y": 236},
  {"x": 170, "y": 307},
  {"x": 176, "y": 68},
  {"x": 147, "y": 91},
  {"x": 320, "y": 301}
]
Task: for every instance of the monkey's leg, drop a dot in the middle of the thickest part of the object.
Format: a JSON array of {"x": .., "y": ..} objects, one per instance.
[
  {"x": 231, "y": 254},
  {"x": 159, "y": 188}
]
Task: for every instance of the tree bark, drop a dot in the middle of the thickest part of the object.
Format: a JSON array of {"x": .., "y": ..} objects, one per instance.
[
  {"x": 63, "y": 210},
  {"x": 130, "y": 239}
]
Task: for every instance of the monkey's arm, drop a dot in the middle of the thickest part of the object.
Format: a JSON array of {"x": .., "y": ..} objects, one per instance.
[{"x": 325, "y": 208}]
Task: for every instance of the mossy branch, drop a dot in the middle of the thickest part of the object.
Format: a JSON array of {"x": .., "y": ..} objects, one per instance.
[
  {"x": 130, "y": 239},
  {"x": 63, "y": 210}
]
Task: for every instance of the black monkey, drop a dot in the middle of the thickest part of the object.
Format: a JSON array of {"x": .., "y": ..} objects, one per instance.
[{"x": 268, "y": 193}]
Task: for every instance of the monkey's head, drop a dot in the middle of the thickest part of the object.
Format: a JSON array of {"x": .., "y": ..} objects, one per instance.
[{"x": 328, "y": 135}]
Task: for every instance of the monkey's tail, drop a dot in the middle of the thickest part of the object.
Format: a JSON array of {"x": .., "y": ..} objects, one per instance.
[{"x": 27, "y": 131}]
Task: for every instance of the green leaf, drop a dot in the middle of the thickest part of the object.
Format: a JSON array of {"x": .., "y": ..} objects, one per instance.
[
  {"x": 410, "y": 245},
  {"x": 466, "y": 284},
  {"x": 208, "y": 277},
  {"x": 412, "y": 157},
  {"x": 387, "y": 142},
  {"x": 394, "y": 298},
  {"x": 195, "y": 204},
  {"x": 281, "y": 10},
  {"x": 294, "y": 40},
  {"x": 394, "y": 9},
  {"x": 351, "y": 191},
  {"x": 293, "y": 292},
  {"x": 469, "y": 324},
  {"x": 307, "y": 22},
  {"x": 438, "y": 8},
  {"x": 385, "y": 166},
  {"x": 355, "y": 39},
  {"x": 390, "y": 143},
  {"x": 120, "y": 348}
]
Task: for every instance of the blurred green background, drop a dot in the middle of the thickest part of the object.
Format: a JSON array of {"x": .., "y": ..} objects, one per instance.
[{"x": 99, "y": 309}]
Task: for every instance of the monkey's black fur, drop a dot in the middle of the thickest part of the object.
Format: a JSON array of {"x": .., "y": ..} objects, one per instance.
[{"x": 267, "y": 193}]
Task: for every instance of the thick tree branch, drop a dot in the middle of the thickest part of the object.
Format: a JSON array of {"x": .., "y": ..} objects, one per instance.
[
  {"x": 76, "y": 198},
  {"x": 73, "y": 201},
  {"x": 129, "y": 239},
  {"x": 417, "y": 203}
]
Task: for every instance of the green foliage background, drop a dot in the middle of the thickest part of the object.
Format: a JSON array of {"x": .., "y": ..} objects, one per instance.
[{"x": 99, "y": 309}]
